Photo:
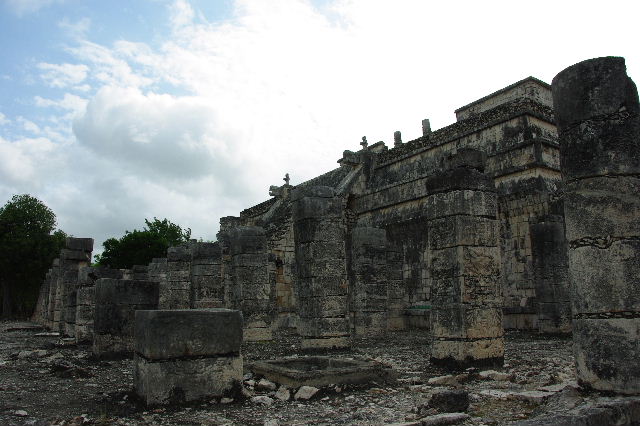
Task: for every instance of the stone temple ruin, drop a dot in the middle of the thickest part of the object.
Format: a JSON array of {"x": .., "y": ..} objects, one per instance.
[{"x": 523, "y": 214}]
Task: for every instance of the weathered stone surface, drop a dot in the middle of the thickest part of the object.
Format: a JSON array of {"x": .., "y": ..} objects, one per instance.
[
  {"x": 597, "y": 110},
  {"x": 116, "y": 303},
  {"x": 466, "y": 321},
  {"x": 318, "y": 229},
  {"x": 184, "y": 380},
  {"x": 606, "y": 352},
  {"x": 162, "y": 334}
]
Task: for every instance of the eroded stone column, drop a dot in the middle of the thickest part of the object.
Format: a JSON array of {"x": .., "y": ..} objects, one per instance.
[
  {"x": 116, "y": 303},
  {"x": 53, "y": 289},
  {"x": 76, "y": 254},
  {"x": 86, "y": 299},
  {"x": 187, "y": 355},
  {"x": 465, "y": 265},
  {"x": 597, "y": 114},
  {"x": 207, "y": 287},
  {"x": 251, "y": 289},
  {"x": 550, "y": 268},
  {"x": 369, "y": 280},
  {"x": 321, "y": 285},
  {"x": 175, "y": 292}
]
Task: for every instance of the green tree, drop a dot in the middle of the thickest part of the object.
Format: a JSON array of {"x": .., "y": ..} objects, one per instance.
[
  {"x": 139, "y": 247},
  {"x": 27, "y": 248}
]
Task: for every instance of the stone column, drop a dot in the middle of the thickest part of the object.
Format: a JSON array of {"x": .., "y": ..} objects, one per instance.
[
  {"x": 251, "y": 289},
  {"x": 369, "y": 280},
  {"x": 86, "y": 300},
  {"x": 40, "y": 313},
  {"x": 207, "y": 287},
  {"x": 187, "y": 355},
  {"x": 550, "y": 268},
  {"x": 175, "y": 293},
  {"x": 597, "y": 114},
  {"x": 116, "y": 303},
  {"x": 464, "y": 264},
  {"x": 53, "y": 289},
  {"x": 76, "y": 254},
  {"x": 321, "y": 286}
]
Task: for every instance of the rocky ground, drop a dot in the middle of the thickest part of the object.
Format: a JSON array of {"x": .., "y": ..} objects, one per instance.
[{"x": 46, "y": 380}]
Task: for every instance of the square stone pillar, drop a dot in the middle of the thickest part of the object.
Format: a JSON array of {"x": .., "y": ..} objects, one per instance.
[
  {"x": 550, "y": 268},
  {"x": 251, "y": 290},
  {"x": 116, "y": 303},
  {"x": 175, "y": 292},
  {"x": 86, "y": 300},
  {"x": 464, "y": 265},
  {"x": 598, "y": 117},
  {"x": 187, "y": 355},
  {"x": 207, "y": 286},
  {"x": 321, "y": 284},
  {"x": 369, "y": 280}
]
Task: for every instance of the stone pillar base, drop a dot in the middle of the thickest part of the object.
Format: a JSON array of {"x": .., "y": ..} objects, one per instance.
[{"x": 461, "y": 354}]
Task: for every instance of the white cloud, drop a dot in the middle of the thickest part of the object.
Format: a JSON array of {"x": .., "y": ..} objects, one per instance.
[
  {"x": 63, "y": 75},
  {"x": 70, "y": 102},
  {"x": 4, "y": 120},
  {"x": 107, "y": 68},
  {"x": 21, "y": 161},
  {"x": 29, "y": 126},
  {"x": 25, "y": 7},
  {"x": 76, "y": 29}
]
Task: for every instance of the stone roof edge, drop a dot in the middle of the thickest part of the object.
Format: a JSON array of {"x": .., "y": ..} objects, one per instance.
[{"x": 504, "y": 89}]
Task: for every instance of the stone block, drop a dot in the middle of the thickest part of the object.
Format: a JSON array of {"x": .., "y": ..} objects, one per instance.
[
  {"x": 322, "y": 287},
  {"x": 606, "y": 352},
  {"x": 206, "y": 251},
  {"x": 177, "y": 381},
  {"x": 81, "y": 244},
  {"x": 465, "y": 260},
  {"x": 318, "y": 208},
  {"x": 247, "y": 239},
  {"x": 461, "y": 202},
  {"x": 317, "y": 191},
  {"x": 164, "y": 334},
  {"x": 67, "y": 255},
  {"x": 459, "y": 179},
  {"x": 467, "y": 157},
  {"x": 178, "y": 254},
  {"x": 463, "y": 231},
  {"x": 312, "y": 230}
]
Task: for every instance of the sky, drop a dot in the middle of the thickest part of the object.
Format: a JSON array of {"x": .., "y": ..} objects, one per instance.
[{"x": 116, "y": 111}]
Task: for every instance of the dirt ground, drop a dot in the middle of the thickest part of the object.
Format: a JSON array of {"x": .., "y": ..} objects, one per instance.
[{"x": 46, "y": 380}]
